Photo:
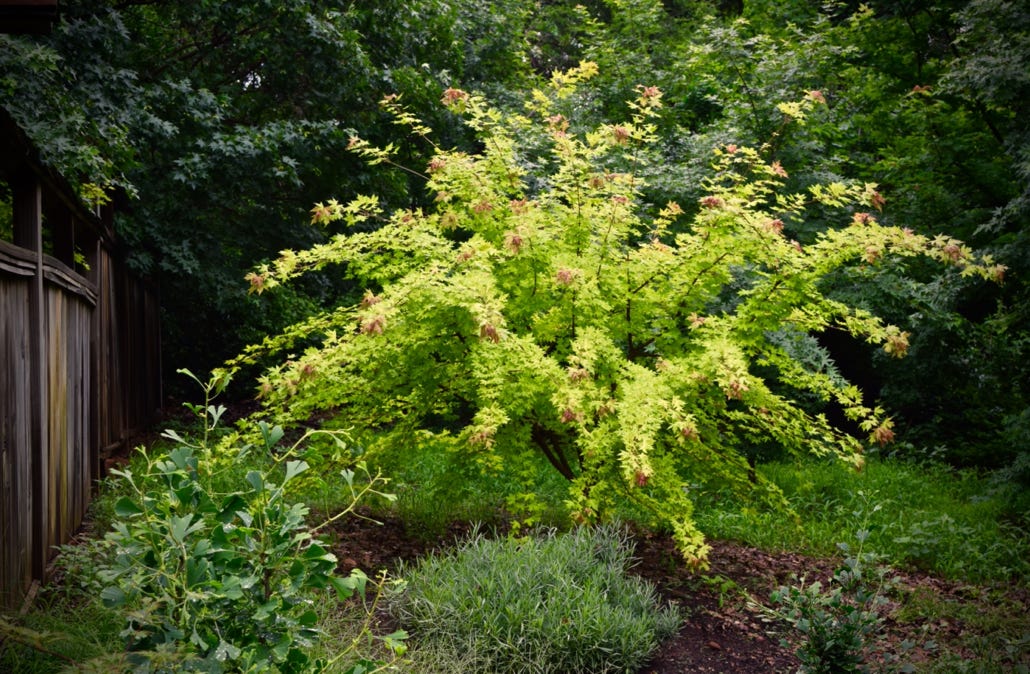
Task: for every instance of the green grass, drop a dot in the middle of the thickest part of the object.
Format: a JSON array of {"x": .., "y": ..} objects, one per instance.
[
  {"x": 59, "y": 630},
  {"x": 953, "y": 523},
  {"x": 957, "y": 524},
  {"x": 435, "y": 486}
]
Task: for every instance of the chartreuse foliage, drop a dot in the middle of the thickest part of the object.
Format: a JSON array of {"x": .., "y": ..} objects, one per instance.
[{"x": 556, "y": 315}]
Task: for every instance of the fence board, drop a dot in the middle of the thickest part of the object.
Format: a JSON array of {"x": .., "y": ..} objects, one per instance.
[{"x": 15, "y": 440}]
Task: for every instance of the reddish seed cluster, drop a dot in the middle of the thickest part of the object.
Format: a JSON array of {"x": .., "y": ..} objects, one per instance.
[
  {"x": 489, "y": 333},
  {"x": 482, "y": 439},
  {"x": 577, "y": 374},
  {"x": 513, "y": 242},
  {"x": 736, "y": 390},
  {"x": 518, "y": 206},
  {"x": 650, "y": 93},
  {"x": 373, "y": 326},
  {"x": 897, "y": 344},
  {"x": 257, "y": 282},
  {"x": 877, "y": 200},
  {"x": 883, "y": 435},
  {"x": 558, "y": 125},
  {"x": 370, "y": 299},
  {"x": 452, "y": 96},
  {"x": 449, "y": 220}
]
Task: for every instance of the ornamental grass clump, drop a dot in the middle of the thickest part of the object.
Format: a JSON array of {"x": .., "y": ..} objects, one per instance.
[{"x": 546, "y": 603}]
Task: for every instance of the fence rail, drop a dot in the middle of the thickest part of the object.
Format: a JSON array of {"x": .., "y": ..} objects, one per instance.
[{"x": 80, "y": 368}]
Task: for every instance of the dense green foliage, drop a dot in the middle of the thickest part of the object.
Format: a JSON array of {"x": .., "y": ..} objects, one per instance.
[
  {"x": 221, "y": 123},
  {"x": 544, "y": 603}
]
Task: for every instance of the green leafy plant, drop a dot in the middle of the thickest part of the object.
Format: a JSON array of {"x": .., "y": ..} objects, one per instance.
[
  {"x": 222, "y": 580},
  {"x": 545, "y": 603},
  {"x": 841, "y": 622},
  {"x": 554, "y": 318},
  {"x": 838, "y": 622}
]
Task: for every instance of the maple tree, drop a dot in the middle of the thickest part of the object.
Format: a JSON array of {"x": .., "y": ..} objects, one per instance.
[{"x": 557, "y": 317}]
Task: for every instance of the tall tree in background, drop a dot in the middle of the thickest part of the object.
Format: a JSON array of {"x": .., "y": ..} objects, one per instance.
[{"x": 222, "y": 122}]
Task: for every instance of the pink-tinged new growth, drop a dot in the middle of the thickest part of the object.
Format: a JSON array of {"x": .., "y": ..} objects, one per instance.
[
  {"x": 883, "y": 435},
  {"x": 489, "y": 333},
  {"x": 452, "y": 96},
  {"x": 374, "y": 325},
  {"x": 566, "y": 277},
  {"x": 817, "y": 96}
]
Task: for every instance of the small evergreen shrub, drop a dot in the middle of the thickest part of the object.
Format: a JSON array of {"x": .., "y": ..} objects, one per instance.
[{"x": 548, "y": 603}]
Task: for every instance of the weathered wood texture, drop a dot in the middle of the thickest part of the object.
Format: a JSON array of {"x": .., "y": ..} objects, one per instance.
[
  {"x": 15, "y": 428},
  {"x": 80, "y": 369}
]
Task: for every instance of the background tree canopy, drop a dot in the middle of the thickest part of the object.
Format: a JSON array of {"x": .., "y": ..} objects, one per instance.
[{"x": 220, "y": 124}]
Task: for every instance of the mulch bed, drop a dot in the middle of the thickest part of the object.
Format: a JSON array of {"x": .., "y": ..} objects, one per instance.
[{"x": 724, "y": 631}]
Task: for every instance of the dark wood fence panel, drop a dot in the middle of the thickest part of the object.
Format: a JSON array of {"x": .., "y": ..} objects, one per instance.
[
  {"x": 15, "y": 439},
  {"x": 100, "y": 382},
  {"x": 127, "y": 354},
  {"x": 80, "y": 370}
]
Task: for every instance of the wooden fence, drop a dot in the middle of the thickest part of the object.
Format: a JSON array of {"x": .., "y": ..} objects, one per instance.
[{"x": 79, "y": 361}]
